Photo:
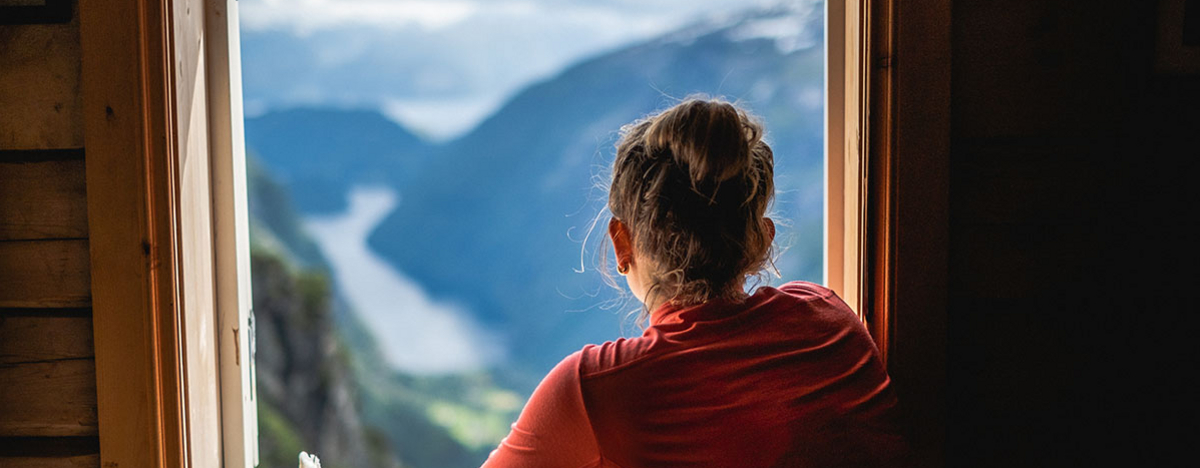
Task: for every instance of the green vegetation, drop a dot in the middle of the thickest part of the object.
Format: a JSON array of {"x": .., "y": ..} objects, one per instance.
[
  {"x": 325, "y": 387},
  {"x": 278, "y": 443}
]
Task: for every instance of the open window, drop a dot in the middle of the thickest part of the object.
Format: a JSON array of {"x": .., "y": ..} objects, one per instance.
[
  {"x": 167, "y": 221},
  {"x": 166, "y": 100}
]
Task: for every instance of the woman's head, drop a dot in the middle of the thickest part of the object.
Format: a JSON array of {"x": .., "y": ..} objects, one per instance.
[{"x": 690, "y": 188}]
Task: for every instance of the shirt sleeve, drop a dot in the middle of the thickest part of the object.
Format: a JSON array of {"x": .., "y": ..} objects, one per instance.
[{"x": 553, "y": 429}]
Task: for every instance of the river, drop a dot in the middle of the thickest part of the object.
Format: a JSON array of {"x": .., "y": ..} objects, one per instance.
[{"x": 417, "y": 333}]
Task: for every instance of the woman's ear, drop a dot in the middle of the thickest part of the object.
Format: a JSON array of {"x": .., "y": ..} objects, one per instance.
[
  {"x": 622, "y": 243},
  {"x": 769, "y": 225}
]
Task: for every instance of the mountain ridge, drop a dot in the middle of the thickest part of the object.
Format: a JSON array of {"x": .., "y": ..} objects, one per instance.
[
  {"x": 498, "y": 203},
  {"x": 305, "y": 148},
  {"x": 496, "y": 219}
]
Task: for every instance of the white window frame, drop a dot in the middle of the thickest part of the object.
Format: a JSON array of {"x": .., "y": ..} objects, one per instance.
[{"x": 239, "y": 401}]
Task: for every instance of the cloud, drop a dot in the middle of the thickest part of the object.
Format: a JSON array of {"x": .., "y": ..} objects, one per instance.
[
  {"x": 309, "y": 15},
  {"x": 306, "y": 16},
  {"x": 437, "y": 66}
]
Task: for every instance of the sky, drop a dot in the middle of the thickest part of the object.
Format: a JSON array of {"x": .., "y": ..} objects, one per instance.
[{"x": 437, "y": 67}]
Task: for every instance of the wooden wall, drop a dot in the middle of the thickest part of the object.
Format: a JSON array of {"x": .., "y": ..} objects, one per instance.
[
  {"x": 47, "y": 368},
  {"x": 1072, "y": 189}
]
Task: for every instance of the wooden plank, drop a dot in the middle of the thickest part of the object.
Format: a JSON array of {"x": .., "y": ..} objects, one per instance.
[
  {"x": 77, "y": 461},
  {"x": 52, "y": 398},
  {"x": 38, "y": 338},
  {"x": 43, "y": 195},
  {"x": 45, "y": 273},
  {"x": 49, "y": 452},
  {"x": 40, "y": 86}
]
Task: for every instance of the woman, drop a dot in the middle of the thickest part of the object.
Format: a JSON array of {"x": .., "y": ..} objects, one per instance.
[{"x": 787, "y": 376}]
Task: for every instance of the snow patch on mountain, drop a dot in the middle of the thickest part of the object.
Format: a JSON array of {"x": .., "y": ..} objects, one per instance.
[
  {"x": 788, "y": 24},
  {"x": 788, "y": 32}
]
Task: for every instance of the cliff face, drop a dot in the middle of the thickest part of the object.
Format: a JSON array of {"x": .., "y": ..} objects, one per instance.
[
  {"x": 305, "y": 388},
  {"x": 323, "y": 385}
]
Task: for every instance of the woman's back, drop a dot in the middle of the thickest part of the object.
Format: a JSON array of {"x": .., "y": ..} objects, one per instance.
[
  {"x": 785, "y": 377},
  {"x": 789, "y": 377}
]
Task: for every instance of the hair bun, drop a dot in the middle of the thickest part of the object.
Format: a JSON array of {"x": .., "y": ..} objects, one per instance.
[
  {"x": 697, "y": 212},
  {"x": 711, "y": 139}
]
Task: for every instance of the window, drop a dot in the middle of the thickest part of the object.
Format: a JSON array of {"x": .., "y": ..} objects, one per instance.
[
  {"x": 438, "y": 198},
  {"x": 461, "y": 412}
]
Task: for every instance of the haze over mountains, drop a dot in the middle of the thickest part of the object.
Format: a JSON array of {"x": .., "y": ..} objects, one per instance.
[
  {"x": 438, "y": 66},
  {"x": 490, "y": 224},
  {"x": 496, "y": 219}
]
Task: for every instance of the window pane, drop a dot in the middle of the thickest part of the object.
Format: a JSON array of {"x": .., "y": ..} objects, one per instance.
[{"x": 428, "y": 189}]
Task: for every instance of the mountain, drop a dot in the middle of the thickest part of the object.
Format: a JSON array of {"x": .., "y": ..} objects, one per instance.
[
  {"x": 497, "y": 218},
  {"x": 275, "y": 224},
  {"x": 323, "y": 384},
  {"x": 306, "y": 393},
  {"x": 321, "y": 153}
]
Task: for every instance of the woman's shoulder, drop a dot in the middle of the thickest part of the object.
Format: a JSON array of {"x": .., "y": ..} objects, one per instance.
[
  {"x": 597, "y": 360},
  {"x": 822, "y": 303},
  {"x": 805, "y": 289}
]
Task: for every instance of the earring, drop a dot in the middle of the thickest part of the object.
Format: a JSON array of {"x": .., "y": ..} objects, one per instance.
[{"x": 623, "y": 268}]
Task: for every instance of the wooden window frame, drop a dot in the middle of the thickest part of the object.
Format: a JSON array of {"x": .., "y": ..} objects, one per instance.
[
  {"x": 865, "y": 114},
  {"x": 169, "y": 240},
  {"x": 845, "y": 150},
  {"x": 887, "y": 154},
  {"x": 887, "y": 127}
]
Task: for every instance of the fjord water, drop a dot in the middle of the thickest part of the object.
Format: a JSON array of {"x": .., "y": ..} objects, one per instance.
[{"x": 417, "y": 333}]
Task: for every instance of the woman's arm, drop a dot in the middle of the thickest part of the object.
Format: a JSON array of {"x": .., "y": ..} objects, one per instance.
[{"x": 553, "y": 429}]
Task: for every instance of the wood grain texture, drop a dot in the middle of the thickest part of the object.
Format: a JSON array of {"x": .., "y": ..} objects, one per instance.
[
  {"x": 77, "y": 461},
  {"x": 196, "y": 281},
  {"x": 28, "y": 339},
  {"x": 128, "y": 109},
  {"x": 52, "y": 398},
  {"x": 39, "y": 86},
  {"x": 45, "y": 273},
  {"x": 50, "y": 452},
  {"x": 846, "y": 151},
  {"x": 42, "y": 198}
]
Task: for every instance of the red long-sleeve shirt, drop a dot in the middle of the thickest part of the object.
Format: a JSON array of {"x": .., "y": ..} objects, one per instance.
[{"x": 787, "y": 378}]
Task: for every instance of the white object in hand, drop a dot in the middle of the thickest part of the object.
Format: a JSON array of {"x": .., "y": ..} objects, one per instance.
[{"x": 309, "y": 461}]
